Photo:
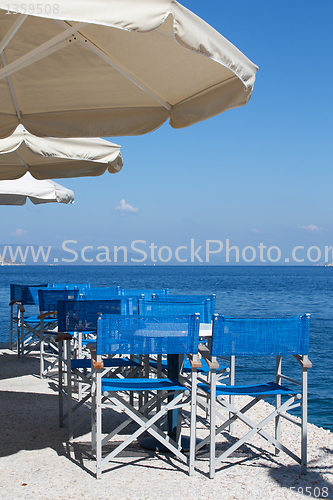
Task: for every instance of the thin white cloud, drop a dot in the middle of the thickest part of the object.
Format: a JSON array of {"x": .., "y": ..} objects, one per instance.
[
  {"x": 124, "y": 207},
  {"x": 255, "y": 231},
  {"x": 18, "y": 232},
  {"x": 311, "y": 227}
]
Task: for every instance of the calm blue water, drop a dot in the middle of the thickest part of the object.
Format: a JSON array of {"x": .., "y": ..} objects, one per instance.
[{"x": 240, "y": 291}]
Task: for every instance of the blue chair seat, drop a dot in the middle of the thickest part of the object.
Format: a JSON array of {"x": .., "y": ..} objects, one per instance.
[
  {"x": 34, "y": 319},
  {"x": 187, "y": 366},
  {"x": 269, "y": 389},
  {"x": 108, "y": 363},
  {"x": 50, "y": 332},
  {"x": 88, "y": 341},
  {"x": 137, "y": 384}
]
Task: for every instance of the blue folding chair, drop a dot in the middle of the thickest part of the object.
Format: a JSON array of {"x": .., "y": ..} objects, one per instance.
[
  {"x": 48, "y": 302},
  {"x": 24, "y": 297},
  {"x": 258, "y": 337},
  {"x": 138, "y": 335},
  {"x": 40, "y": 316},
  {"x": 78, "y": 318}
]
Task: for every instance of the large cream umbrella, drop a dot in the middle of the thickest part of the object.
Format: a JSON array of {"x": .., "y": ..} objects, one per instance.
[
  {"x": 27, "y": 187},
  {"x": 52, "y": 157},
  {"x": 79, "y": 68}
]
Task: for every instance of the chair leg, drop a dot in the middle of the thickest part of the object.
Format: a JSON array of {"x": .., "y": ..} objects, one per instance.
[
  {"x": 18, "y": 332},
  {"x": 212, "y": 424},
  {"x": 21, "y": 334},
  {"x": 11, "y": 325},
  {"x": 93, "y": 411},
  {"x": 159, "y": 375},
  {"x": 146, "y": 375},
  {"x": 278, "y": 402},
  {"x": 41, "y": 350},
  {"x": 98, "y": 425},
  {"x": 304, "y": 428},
  {"x": 141, "y": 374},
  {"x": 79, "y": 356},
  {"x": 41, "y": 358},
  {"x": 60, "y": 386},
  {"x": 131, "y": 398},
  {"x": 232, "y": 382},
  {"x": 69, "y": 389},
  {"x": 193, "y": 424}
]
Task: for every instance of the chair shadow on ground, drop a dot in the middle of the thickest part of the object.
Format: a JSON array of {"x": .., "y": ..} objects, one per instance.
[
  {"x": 15, "y": 367},
  {"x": 29, "y": 421},
  {"x": 242, "y": 455},
  {"x": 310, "y": 484},
  {"x": 134, "y": 455},
  {"x": 79, "y": 452},
  {"x": 286, "y": 476}
]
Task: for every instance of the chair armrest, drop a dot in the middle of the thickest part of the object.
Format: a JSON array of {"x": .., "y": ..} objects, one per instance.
[
  {"x": 12, "y": 302},
  {"x": 205, "y": 353},
  {"x": 97, "y": 365},
  {"x": 303, "y": 361},
  {"x": 195, "y": 363},
  {"x": 46, "y": 314},
  {"x": 63, "y": 336}
]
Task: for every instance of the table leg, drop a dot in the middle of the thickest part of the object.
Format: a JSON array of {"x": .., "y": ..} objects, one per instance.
[{"x": 173, "y": 362}]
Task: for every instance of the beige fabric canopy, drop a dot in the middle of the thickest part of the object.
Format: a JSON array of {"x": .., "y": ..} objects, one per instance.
[
  {"x": 114, "y": 67},
  {"x": 52, "y": 157},
  {"x": 17, "y": 192}
]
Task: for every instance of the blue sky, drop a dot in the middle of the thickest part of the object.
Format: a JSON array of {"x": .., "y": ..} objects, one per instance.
[{"x": 260, "y": 173}]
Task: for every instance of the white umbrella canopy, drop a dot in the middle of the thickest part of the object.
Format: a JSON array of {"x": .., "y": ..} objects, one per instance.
[
  {"x": 52, "y": 157},
  {"x": 89, "y": 68},
  {"x": 17, "y": 192}
]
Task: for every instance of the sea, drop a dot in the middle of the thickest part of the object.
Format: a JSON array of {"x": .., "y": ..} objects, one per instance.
[{"x": 241, "y": 291}]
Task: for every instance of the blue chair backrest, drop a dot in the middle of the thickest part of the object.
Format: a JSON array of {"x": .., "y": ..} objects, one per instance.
[
  {"x": 147, "y": 294},
  {"x": 100, "y": 292},
  {"x": 211, "y": 300},
  {"x": 70, "y": 286},
  {"x": 48, "y": 298},
  {"x": 137, "y": 335},
  {"x": 26, "y": 294},
  {"x": 260, "y": 337},
  {"x": 168, "y": 307},
  {"x": 81, "y": 315}
]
